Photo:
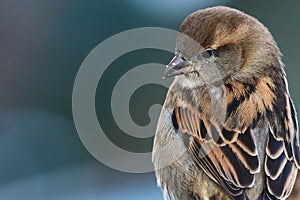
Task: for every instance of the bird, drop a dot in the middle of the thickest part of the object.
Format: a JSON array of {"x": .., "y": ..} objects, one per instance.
[{"x": 228, "y": 127}]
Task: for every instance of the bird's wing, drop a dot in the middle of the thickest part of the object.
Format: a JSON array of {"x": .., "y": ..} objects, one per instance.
[
  {"x": 229, "y": 157},
  {"x": 282, "y": 151}
]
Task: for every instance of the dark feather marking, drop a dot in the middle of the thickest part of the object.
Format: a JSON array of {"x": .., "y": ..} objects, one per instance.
[
  {"x": 265, "y": 195},
  {"x": 274, "y": 146},
  {"x": 293, "y": 114},
  {"x": 277, "y": 185},
  {"x": 246, "y": 139},
  {"x": 257, "y": 119},
  {"x": 249, "y": 88},
  {"x": 203, "y": 130},
  {"x": 274, "y": 165},
  {"x": 288, "y": 149},
  {"x": 174, "y": 120},
  {"x": 243, "y": 175},
  {"x": 251, "y": 161},
  {"x": 270, "y": 196},
  {"x": 229, "y": 86},
  {"x": 271, "y": 88},
  {"x": 232, "y": 106},
  {"x": 228, "y": 135}
]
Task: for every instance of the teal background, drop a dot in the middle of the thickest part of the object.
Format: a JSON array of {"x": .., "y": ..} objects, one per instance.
[{"x": 43, "y": 44}]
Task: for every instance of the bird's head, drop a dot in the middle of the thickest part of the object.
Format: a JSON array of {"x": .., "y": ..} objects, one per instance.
[{"x": 222, "y": 43}]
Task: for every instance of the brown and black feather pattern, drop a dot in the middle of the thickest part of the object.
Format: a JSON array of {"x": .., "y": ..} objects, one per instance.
[
  {"x": 226, "y": 149},
  {"x": 282, "y": 151}
]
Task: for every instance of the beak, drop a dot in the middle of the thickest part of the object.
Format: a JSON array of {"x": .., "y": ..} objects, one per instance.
[{"x": 177, "y": 66}]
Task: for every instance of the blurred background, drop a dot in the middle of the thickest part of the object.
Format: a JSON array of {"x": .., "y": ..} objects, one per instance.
[{"x": 43, "y": 44}]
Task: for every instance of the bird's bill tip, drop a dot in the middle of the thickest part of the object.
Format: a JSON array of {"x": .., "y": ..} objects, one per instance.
[
  {"x": 177, "y": 66},
  {"x": 169, "y": 72}
]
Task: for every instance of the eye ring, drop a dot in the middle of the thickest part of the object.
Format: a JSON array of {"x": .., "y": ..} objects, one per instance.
[{"x": 208, "y": 53}]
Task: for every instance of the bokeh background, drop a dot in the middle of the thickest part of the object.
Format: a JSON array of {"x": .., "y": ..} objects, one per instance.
[{"x": 43, "y": 44}]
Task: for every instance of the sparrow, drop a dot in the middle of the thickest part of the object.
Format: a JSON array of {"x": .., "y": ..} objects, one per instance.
[{"x": 228, "y": 126}]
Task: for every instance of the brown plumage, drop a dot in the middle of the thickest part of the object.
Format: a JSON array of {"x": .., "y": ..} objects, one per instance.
[{"x": 228, "y": 128}]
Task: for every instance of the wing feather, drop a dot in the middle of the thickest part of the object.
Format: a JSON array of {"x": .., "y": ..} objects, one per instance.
[
  {"x": 282, "y": 150},
  {"x": 230, "y": 160}
]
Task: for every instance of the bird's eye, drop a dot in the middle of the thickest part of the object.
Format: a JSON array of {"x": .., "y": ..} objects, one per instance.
[{"x": 209, "y": 53}]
